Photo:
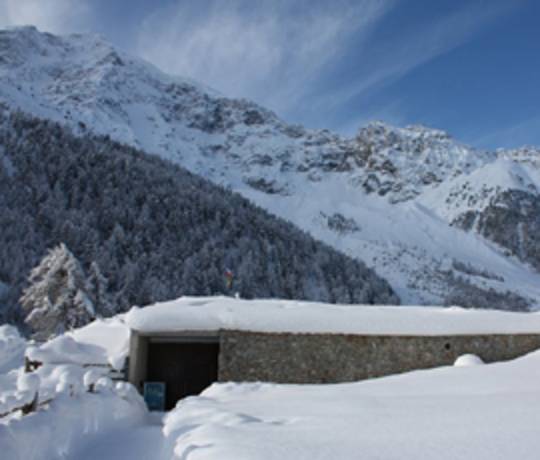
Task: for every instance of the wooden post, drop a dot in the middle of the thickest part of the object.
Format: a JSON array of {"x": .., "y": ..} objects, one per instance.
[{"x": 31, "y": 406}]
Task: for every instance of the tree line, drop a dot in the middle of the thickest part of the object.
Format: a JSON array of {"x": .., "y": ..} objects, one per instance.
[{"x": 154, "y": 230}]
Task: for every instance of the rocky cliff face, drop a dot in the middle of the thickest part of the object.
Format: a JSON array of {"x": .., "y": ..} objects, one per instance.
[
  {"x": 512, "y": 220},
  {"x": 410, "y": 201}
]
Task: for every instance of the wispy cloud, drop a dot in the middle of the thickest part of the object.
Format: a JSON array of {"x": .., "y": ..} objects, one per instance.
[
  {"x": 282, "y": 53},
  {"x": 57, "y": 16},
  {"x": 518, "y": 134},
  {"x": 268, "y": 51},
  {"x": 401, "y": 53}
]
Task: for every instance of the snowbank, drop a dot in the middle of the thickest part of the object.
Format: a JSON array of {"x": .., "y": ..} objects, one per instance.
[
  {"x": 12, "y": 347},
  {"x": 488, "y": 412},
  {"x": 214, "y": 313},
  {"x": 68, "y": 423},
  {"x": 78, "y": 402},
  {"x": 468, "y": 360},
  {"x": 111, "y": 334},
  {"x": 102, "y": 342},
  {"x": 65, "y": 349}
]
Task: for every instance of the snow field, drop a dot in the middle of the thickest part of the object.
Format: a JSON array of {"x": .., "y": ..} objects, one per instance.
[
  {"x": 469, "y": 410},
  {"x": 488, "y": 412}
]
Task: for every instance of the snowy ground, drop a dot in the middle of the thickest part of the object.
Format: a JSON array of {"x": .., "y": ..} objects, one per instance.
[
  {"x": 468, "y": 411},
  {"x": 143, "y": 441},
  {"x": 481, "y": 412},
  {"x": 70, "y": 418},
  {"x": 12, "y": 347}
]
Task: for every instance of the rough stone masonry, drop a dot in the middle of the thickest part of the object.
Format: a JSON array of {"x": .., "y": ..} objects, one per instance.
[{"x": 329, "y": 358}]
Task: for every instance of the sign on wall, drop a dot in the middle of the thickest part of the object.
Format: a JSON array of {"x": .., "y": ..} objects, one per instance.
[{"x": 154, "y": 395}]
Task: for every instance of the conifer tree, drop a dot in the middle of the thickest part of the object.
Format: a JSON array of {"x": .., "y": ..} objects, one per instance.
[
  {"x": 98, "y": 285},
  {"x": 57, "y": 298}
]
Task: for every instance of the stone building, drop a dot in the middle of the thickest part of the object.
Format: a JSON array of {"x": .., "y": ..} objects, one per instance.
[{"x": 187, "y": 344}]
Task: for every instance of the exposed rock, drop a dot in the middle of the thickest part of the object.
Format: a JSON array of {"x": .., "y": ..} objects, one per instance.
[
  {"x": 512, "y": 220},
  {"x": 341, "y": 224},
  {"x": 266, "y": 186}
]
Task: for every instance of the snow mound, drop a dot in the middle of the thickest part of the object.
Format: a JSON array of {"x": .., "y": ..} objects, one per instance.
[
  {"x": 65, "y": 349},
  {"x": 444, "y": 413},
  {"x": 77, "y": 401},
  {"x": 102, "y": 342},
  {"x": 12, "y": 347},
  {"x": 28, "y": 382},
  {"x": 112, "y": 335},
  {"x": 69, "y": 422},
  {"x": 468, "y": 360}
]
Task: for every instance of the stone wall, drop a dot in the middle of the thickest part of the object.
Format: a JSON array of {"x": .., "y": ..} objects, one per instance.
[{"x": 325, "y": 358}]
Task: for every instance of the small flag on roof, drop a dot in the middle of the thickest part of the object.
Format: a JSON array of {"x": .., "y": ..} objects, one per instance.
[{"x": 229, "y": 275}]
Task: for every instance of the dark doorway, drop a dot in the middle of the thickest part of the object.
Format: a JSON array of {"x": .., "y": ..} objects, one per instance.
[{"x": 186, "y": 368}]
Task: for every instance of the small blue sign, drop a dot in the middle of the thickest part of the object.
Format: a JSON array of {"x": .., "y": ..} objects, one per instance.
[{"x": 154, "y": 395}]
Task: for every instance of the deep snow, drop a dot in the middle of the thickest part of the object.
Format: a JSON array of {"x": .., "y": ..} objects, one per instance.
[
  {"x": 12, "y": 347},
  {"x": 215, "y": 313},
  {"x": 466, "y": 411},
  {"x": 102, "y": 342},
  {"x": 69, "y": 416},
  {"x": 489, "y": 412},
  {"x": 68, "y": 423}
]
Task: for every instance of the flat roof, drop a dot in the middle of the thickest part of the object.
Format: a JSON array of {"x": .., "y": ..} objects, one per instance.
[{"x": 226, "y": 313}]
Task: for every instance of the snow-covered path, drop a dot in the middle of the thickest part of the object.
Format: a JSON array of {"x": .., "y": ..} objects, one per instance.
[{"x": 143, "y": 442}]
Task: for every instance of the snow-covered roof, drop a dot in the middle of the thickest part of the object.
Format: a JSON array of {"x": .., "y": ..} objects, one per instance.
[{"x": 225, "y": 313}]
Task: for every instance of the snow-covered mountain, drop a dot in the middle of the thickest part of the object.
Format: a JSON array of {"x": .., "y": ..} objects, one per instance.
[{"x": 437, "y": 218}]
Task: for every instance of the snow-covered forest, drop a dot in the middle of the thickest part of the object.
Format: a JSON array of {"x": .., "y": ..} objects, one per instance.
[{"x": 154, "y": 230}]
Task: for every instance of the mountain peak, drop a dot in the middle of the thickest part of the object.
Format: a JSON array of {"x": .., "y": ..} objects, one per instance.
[{"x": 381, "y": 128}]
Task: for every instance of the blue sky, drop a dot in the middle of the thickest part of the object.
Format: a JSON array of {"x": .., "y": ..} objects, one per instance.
[{"x": 470, "y": 67}]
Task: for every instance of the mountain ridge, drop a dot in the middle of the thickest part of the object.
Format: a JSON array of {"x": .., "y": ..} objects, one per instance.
[{"x": 412, "y": 202}]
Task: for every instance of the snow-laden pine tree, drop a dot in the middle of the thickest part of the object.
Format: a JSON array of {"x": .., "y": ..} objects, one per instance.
[
  {"x": 98, "y": 285},
  {"x": 57, "y": 297}
]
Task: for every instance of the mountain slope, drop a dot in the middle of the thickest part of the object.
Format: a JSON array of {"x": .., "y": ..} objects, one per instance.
[
  {"x": 412, "y": 202},
  {"x": 155, "y": 230}
]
